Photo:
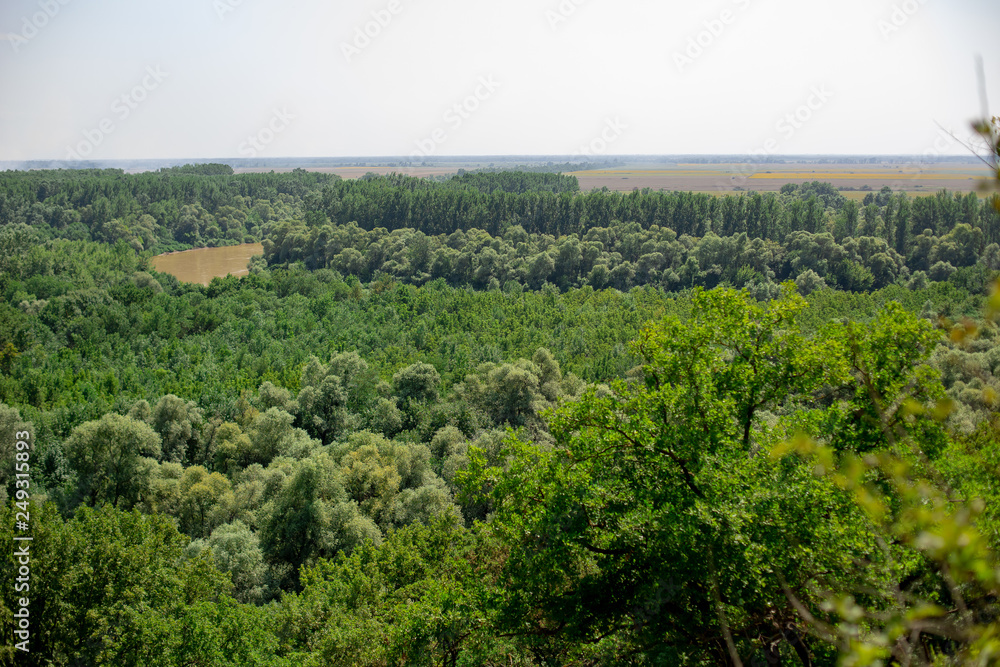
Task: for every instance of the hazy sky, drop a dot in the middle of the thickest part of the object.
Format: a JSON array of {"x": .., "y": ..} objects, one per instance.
[{"x": 105, "y": 79}]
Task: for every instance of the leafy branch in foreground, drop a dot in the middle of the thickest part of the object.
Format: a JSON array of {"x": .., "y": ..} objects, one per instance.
[
  {"x": 954, "y": 624},
  {"x": 945, "y": 612},
  {"x": 989, "y": 130},
  {"x": 655, "y": 527}
]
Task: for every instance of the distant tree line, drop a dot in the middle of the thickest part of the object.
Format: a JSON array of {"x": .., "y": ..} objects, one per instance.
[
  {"x": 351, "y": 456},
  {"x": 201, "y": 205},
  {"x": 397, "y": 202},
  {"x": 625, "y": 255},
  {"x": 516, "y": 182}
]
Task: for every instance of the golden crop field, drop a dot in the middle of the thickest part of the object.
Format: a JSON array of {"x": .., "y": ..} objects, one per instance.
[
  {"x": 854, "y": 180},
  {"x": 916, "y": 179},
  {"x": 839, "y": 175}
]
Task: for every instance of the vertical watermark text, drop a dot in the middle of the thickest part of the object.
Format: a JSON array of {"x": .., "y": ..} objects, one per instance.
[{"x": 22, "y": 539}]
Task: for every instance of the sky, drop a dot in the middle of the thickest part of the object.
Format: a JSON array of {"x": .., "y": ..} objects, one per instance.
[{"x": 170, "y": 79}]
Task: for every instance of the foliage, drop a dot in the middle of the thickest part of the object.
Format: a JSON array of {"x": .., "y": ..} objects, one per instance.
[
  {"x": 437, "y": 426},
  {"x": 111, "y": 588},
  {"x": 625, "y": 251},
  {"x": 110, "y": 457}
]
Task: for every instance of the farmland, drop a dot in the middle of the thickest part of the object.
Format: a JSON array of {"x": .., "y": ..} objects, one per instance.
[
  {"x": 853, "y": 176},
  {"x": 910, "y": 177},
  {"x": 356, "y": 422}
]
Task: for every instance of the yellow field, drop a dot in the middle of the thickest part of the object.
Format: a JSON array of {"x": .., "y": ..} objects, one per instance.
[
  {"x": 855, "y": 195},
  {"x": 628, "y": 173},
  {"x": 856, "y": 175},
  {"x": 859, "y": 195},
  {"x": 914, "y": 178}
]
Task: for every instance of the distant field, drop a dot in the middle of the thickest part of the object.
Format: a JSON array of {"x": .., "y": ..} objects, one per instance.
[
  {"x": 725, "y": 178},
  {"x": 916, "y": 179}
]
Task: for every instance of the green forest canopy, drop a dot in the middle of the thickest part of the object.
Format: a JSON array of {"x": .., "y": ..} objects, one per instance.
[{"x": 498, "y": 421}]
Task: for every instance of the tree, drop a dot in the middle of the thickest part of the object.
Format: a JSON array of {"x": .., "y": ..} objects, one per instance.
[
  {"x": 922, "y": 492},
  {"x": 819, "y": 252},
  {"x": 414, "y": 600},
  {"x": 902, "y": 232},
  {"x": 417, "y": 383},
  {"x": 989, "y": 131},
  {"x": 415, "y": 386},
  {"x": 423, "y": 505},
  {"x": 271, "y": 434},
  {"x": 323, "y": 402},
  {"x": 846, "y": 223},
  {"x": 270, "y": 396},
  {"x": 109, "y": 458},
  {"x": 511, "y": 392},
  {"x": 659, "y": 526},
  {"x": 204, "y": 499},
  {"x": 541, "y": 268},
  {"x": 304, "y": 521},
  {"x": 372, "y": 479},
  {"x": 15, "y": 240},
  {"x": 357, "y": 379},
  {"x": 179, "y": 425},
  {"x": 941, "y": 271},
  {"x": 808, "y": 282},
  {"x": 231, "y": 448},
  {"x": 236, "y": 550},
  {"x": 115, "y": 590}
]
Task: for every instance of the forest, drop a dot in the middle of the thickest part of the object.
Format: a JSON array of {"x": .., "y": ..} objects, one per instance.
[{"x": 495, "y": 420}]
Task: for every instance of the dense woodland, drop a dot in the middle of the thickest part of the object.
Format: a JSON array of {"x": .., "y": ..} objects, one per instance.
[{"x": 498, "y": 421}]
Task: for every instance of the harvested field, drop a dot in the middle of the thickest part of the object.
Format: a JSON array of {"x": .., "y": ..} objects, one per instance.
[
  {"x": 724, "y": 178},
  {"x": 854, "y": 180}
]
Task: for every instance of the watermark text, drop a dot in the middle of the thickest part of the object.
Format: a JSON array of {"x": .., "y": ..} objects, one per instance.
[
  {"x": 22, "y": 540},
  {"x": 121, "y": 108},
  {"x": 456, "y": 116},
  {"x": 32, "y": 25}
]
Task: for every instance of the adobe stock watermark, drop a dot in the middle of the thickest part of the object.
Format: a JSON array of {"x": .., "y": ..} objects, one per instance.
[
  {"x": 366, "y": 34},
  {"x": 122, "y": 107},
  {"x": 456, "y": 115},
  {"x": 22, "y": 542},
  {"x": 255, "y": 143},
  {"x": 786, "y": 127},
  {"x": 224, "y": 7},
  {"x": 613, "y": 129},
  {"x": 796, "y": 120},
  {"x": 32, "y": 25},
  {"x": 899, "y": 16},
  {"x": 942, "y": 145},
  {"x": 713, "y": 29},
  {"x": 562, "y": 13}
]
